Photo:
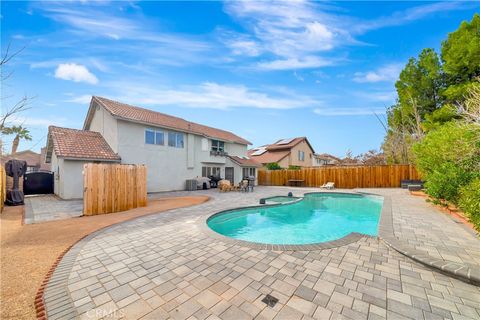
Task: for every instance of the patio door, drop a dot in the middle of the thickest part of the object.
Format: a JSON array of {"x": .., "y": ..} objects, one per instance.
[{"x": 229, "y": 174}]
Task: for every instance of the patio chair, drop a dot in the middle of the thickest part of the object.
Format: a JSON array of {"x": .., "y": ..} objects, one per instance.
[
  {"x": 224, "y": 186},
  {"x": 244, "y": 186},
  {"x": 328, "y": 185}
]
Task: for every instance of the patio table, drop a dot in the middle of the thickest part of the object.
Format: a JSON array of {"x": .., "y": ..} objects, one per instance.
[{"x": 296, "y": 183}]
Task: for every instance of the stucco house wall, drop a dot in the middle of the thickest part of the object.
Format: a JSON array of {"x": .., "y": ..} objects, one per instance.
[
  {"x": 293, "y": 157},
  {"x": 104, "y": 123}
]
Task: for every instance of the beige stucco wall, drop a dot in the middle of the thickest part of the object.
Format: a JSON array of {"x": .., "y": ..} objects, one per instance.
[
  {"x": 284, "y": 163},
  {"x": 106, "y": 124},
  {"x": 293, "y": 157},
  {"x": 72, "y": 179}
]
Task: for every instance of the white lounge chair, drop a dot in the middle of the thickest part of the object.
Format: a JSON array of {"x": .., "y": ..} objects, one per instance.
[{"x": 328, "y": 185}]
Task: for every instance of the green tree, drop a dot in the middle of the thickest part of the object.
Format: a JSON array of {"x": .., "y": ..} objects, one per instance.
[
  {"x": 419, "y": 89},
  {"x": 420, "y": 85},
  {"x": 461, "y": 59},
  {"x": 273, "y": 166},
  {"x": 20, "y": 133}
]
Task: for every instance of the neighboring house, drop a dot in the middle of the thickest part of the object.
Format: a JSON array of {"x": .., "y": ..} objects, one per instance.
[
  {"x": 324, "y": 159},
  {"x": 35, "y": 161},
  {"x": 285, "y": 152},
  {"x": 172, "y": 148}
]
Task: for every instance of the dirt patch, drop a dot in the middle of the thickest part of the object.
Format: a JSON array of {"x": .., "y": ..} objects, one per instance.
[{"x": 28, "y": 251}]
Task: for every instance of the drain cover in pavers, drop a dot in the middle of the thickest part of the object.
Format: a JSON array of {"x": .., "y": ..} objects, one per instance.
[{"x": 270, "y": 300}]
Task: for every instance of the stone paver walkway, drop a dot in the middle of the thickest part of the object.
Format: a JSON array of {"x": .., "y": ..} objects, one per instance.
[
  {"x": 425, "y": 229},
  {"x": 49, "y": 207},
  {"x": 165, "y": 266}
]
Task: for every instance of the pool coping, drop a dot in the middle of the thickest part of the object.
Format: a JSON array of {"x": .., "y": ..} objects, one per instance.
[{"x": 349, "y": 238}]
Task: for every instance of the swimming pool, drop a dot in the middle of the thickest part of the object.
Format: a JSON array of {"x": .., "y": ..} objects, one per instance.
[{"x": 319, "y": 217}]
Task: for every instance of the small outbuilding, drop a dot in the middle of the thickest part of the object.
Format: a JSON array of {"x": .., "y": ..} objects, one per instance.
[{"x": 67, "y": 151}]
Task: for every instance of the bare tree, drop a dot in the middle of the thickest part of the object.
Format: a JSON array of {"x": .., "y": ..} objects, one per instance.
[
  {"x": 9, "y": 111},
  {"x": 470, "y": 109}
]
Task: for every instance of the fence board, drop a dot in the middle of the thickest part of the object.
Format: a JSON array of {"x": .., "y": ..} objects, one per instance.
[
  {"x": 387, "y": 176},
  {"x": 111, "y": 188},
  {"x": 3, "y": 187}
]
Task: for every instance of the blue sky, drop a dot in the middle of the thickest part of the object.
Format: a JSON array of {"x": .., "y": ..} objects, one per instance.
[{"x": 262, "y": 70}]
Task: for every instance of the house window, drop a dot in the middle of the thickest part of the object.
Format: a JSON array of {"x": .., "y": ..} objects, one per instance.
[
  {"x": 210, "y": 171},
  {"x": 154, "y": 137},
  {"x": 32, "y": 168},
  {"x": 301, "y": 156},
  {"x": 175, "y": 139},
  {"x": 248, "y": 172},
  {"x": 218, "y": 146}
]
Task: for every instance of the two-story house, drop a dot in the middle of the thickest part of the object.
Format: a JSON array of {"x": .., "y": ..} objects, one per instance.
[
  {"x": 285, "y": 152},
  {"x": 173, "y": 149}
]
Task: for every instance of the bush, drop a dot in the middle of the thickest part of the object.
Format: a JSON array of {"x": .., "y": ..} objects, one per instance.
[
  {"x": 446, "y": 181},
  {"x": 273, "y": 166},
  {"x": 469, "y": 201},
  {"x": 448, "y": 158},
  {"x": 290, "y": 167}
]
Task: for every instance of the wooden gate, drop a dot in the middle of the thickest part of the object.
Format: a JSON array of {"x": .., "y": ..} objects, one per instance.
[{"x": 113, "y": 188}]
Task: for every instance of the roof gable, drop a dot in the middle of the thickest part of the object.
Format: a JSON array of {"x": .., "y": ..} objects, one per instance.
[
  {"x": 136, "y": 114},
  {"x": 78, "y": 144},
  {"x": 278, "y": 150}
]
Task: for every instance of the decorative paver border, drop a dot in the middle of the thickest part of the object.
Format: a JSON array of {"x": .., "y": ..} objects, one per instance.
[
  {"x": 349, "y": 238},
  {"x": 460, "y": 271}
]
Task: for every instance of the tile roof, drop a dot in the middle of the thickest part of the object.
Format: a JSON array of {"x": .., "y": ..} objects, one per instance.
[
  {"x": 136, "y": 114},
  {"x": 325, "y": 156},
  {"x": 245, "y": 162},
  {"x": 80, "y": 144},
  {"x": 276, "y": 152},
  {"x": 32, "y": 158},
  {"x": 290, "y": 145},
  {"x": 269, "y": 156}
]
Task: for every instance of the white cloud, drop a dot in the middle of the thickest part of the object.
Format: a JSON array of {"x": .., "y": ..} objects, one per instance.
[
  {"x": 288, "y": 31},
  {"x": 348, "y": 111},
  {"x": 213, "y": 96},
  {"x": 295, "y": 63},
  {"x": 39, "y": 122},
  {"x": 377, "y": 96},
  {"x": 75, "y": 72},
  {"x": 83, "y": 99},
  {"x": 293, "y": 31},
  {"x": 386, "y": 73},
  {"x": 409, "y": 15}
]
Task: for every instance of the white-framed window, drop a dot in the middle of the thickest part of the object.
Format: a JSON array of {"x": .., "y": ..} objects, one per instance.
[
  {"x": 153, "y": 136},
  {"x": 175, "y": 139},
  {"x": 211, "y": 171},
  {"x": 301, "y": 155},
  {"x": 218, "y": 146},
  {"x": 248, "y": 172}
]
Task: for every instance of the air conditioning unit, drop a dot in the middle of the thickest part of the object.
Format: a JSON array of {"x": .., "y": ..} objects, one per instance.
[{"x": 191, "y": 185}]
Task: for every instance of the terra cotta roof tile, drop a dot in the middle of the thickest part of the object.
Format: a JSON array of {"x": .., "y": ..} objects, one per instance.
[
  {"x": 137, "y": 114},
  {"x": 80, "y": 144}
]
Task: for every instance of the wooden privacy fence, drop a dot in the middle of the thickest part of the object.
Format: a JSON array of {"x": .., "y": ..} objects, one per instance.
[
  {"x": 113, "y": 187},
  {"x": 3, "y": 187},
  {"x": 386, "y": 176}
]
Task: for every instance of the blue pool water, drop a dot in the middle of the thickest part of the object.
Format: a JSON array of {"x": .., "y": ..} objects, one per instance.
[{"x": 319, "y": 217}]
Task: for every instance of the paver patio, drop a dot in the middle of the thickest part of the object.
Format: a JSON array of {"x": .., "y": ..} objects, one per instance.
[{"x": 167, "y": 266}]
